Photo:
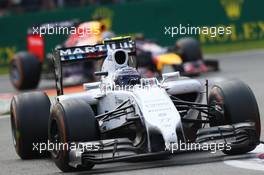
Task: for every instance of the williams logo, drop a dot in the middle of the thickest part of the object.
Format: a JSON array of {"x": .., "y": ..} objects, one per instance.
[{"x": 232, "y": 8}]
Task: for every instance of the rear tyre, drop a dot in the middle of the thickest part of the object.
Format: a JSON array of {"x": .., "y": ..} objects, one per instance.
[
  {"x": 145, "y": 64},
  {"x": 71, "y": 121},
  {"x": 189, "y": 49},
  {"x": 238, "y": 104},
  {"x": 212, "y": 65},
  {"x": 25, "y": 70},
  {"x": 29, "y": 123}
]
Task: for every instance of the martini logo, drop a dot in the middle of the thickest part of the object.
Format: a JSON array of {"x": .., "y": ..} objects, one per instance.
[
  {"x": 99, "y": 48},
  {"x": 232, "y": 8}
]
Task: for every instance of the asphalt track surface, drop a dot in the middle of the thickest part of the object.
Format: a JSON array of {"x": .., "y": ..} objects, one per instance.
[{"x": 247, "y": 66}]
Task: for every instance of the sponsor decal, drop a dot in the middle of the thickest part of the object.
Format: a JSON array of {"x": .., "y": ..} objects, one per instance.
[
  {"x": 241, "y": 30},
  {"x": 92, "y": 51},
  {"x": 232, "y": 8},
  {"x": 6, "y": 54}
]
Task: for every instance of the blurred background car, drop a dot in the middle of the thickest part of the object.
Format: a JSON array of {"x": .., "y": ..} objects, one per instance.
[
  {"x": 26, "y": 66},
  {"x": 185, "y": 57}
]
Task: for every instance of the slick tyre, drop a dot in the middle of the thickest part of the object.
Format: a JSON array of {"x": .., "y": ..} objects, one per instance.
[
  {"x": 189, "y": 49},
  {"x": 29, "y": 123},
  {"x": 71, "y": 121},
  {"x": 25, "y": 70},
  {"x": 238, "y": 104}
]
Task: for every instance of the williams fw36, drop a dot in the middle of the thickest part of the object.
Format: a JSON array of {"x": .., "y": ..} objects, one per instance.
[{"x": 126, "y": 117}]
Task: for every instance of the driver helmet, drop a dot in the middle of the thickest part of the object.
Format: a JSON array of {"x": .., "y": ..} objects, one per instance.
[{"x": 127, "y": 76}]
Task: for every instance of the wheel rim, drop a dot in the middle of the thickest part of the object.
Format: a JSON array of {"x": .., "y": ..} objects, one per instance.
[
  {"x": 218, "y": 113},
  {"x": 14, "y": 130},
  {"x": 15, "y": 76},
  {"x": 55, "y": 138}
]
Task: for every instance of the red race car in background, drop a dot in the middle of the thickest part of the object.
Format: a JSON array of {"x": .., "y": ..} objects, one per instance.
[
  {"x": 27, "y": 66},
  {"x": 185, "y": 56}
]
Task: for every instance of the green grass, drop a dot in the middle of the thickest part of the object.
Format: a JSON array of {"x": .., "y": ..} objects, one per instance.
[
  {"x": 232, "y": 47},
  {"x": 4, "y": 70}
]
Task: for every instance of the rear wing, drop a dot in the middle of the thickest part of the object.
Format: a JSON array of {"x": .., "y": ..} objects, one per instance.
[
  {"x": 88, "y": 53},
  {"x": 98, "y": 51}
]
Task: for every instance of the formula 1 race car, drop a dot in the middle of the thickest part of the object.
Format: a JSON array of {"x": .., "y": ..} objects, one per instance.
[
  {"x": 125, "y": 117},
  {"x": 186, "y": 57}
]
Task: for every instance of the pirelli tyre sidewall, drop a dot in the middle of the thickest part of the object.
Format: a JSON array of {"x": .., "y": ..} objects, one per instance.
[
  {"x": 29, "y": 123},
  {"x": 239, "y": 105},
  {"x": 71, "y": 121},
  {"x": 25, "y": 71}
]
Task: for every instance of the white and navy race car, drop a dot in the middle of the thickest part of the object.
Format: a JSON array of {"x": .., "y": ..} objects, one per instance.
[{"x": 125, "y": 117}]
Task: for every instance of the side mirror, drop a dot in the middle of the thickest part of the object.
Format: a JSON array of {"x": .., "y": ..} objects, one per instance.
[
  {"x": 170, "y": 76},
  {"x": 90, "y": 86},
  {"x": 101, "y": 73}
]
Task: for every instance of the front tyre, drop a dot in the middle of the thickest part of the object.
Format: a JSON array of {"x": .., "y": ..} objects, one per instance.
[
  {"x": 71, "y": 121},
  {"x": 238, "y": 104}
]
